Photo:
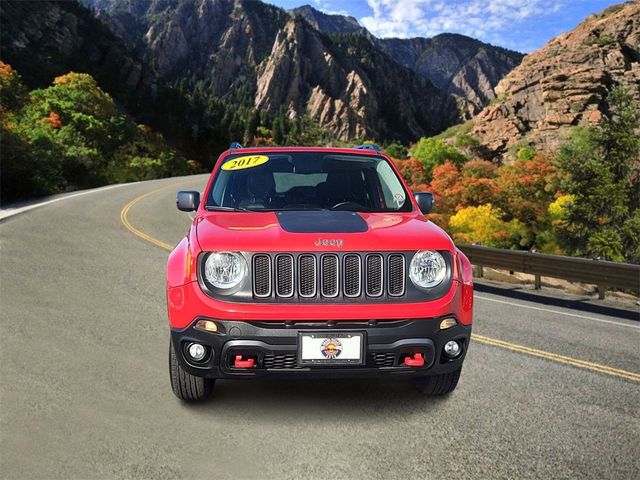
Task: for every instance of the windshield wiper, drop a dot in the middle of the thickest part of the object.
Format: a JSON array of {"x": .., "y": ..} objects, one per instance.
[
  {"x": 214, "y": 208},
  {"x": 289, "y": 209}
]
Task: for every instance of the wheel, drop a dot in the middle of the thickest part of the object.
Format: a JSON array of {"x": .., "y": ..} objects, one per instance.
[
  {"x": 186, "y": 386},
  {"x": 437, "y": 384}
]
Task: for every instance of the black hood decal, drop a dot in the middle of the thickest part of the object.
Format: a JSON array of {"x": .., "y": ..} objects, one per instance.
[{"x": 321, "y": 221}]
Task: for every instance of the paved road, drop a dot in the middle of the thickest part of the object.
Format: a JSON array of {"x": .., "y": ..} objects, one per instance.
[{"x": 85, "y": 390}]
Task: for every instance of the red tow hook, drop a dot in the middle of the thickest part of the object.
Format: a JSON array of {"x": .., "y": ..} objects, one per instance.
[
  {"x": 416, "y": 361},
  {"x": 240, "y": 363}
]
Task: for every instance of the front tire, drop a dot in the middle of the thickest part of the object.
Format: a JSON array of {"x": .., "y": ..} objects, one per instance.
[
  {"x": 436, "y": 385},
  {"x": 186, "y": 386}
]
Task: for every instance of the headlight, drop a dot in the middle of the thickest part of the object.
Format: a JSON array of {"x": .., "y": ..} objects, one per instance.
[
  {"x": 427, "y": 269},
  {"x": 225, "y": 269}
]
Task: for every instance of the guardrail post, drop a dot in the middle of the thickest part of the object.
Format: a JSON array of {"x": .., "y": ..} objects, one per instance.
[
  {"x": 480, "y": 271},
  {"x": 537, "y": 282},
  {"x": 601, "y": 291}
]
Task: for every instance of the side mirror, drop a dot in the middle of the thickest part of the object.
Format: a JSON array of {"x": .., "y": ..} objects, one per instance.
[
  {"x": 425, "y": 201},
  {"x": 187, "y": 201}
]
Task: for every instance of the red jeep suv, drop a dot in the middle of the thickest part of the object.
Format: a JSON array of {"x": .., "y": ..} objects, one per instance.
[{"x": 314, "y": 262}]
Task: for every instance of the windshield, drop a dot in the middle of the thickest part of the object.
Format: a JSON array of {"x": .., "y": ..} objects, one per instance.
[{"x": 307, "y": 181}]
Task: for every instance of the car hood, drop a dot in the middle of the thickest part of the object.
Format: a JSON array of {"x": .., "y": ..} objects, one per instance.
[{"x": 311, "y": 231}]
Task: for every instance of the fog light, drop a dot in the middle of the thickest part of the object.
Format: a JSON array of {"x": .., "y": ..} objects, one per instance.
[
  {"x": 447, "y": 323},
  {"x": 196, "y": 351},
  {"x": 206, "y": 325},
  {"x": 452, "y": 349}
]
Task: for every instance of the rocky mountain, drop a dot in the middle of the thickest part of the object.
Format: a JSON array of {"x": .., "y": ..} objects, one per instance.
[
  {"x": 328, "y": 23},
  {"x": 45, "y": 39},
  {"x": 349, "y": 86},
  {"x": 216, "y": 65},
  {"x": 254, "y": 54},
  {"x": 462, "y": 66},
  {"x": 564, "y": 84},
  {"x": 459, "y": 65}
]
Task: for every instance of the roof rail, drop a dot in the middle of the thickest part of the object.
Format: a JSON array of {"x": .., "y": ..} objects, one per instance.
[
  {"x": 368, "y": 146},
  {"x": 235, "y": 146}
]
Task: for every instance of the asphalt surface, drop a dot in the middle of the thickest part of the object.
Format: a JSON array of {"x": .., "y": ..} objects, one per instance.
[{"x": 85, "y": 388}]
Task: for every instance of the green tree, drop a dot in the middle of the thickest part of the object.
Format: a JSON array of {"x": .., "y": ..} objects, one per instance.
[
  {"x": 251, "y": 127},
  {"x": 12, "y": 91},
  {"x": 433, "y": 152},
  {"x": 278, "y": 130},
  {"x": 600, "y": 168},
  {"x": 71, "y": 135},
  {"x": 311, "y": 133},
  {"x": 397, "y": 150}
]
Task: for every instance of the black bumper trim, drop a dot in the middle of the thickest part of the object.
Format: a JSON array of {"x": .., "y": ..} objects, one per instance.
[{"x": 275, "y": 349}]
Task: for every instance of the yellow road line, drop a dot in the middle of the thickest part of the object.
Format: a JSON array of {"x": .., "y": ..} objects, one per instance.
[
  {"x": 125, "y": 221},
  {"x": 596, "y": 367},
  {"x": 554, "y": 357}
]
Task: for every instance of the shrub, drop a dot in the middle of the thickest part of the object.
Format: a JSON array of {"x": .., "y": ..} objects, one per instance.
[
  {"x": 71, "y": 135},
  {"x": 413, "y": 172},
  {"x": 484, "y": 224},
  {"x": 478, "y": 183}
]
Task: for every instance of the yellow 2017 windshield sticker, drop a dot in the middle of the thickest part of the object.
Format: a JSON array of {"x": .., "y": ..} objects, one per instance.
[{"x": 247, "y": 161}]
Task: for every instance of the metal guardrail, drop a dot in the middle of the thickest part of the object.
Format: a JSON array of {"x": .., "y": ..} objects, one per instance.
[{"x": 595, "y": 272}]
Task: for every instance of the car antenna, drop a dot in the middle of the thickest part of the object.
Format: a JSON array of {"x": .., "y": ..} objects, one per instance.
[
  {"x": 368, "y": 146},
  {"x": 235, "y": 146}
]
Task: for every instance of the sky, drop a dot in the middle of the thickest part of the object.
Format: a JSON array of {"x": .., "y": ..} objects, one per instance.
[{"x": 522, "y": 25}]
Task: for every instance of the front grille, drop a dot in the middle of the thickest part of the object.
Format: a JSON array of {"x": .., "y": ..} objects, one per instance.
[
  {"x": 344, "y": 277},
  {"x": 281, "y": 361}
]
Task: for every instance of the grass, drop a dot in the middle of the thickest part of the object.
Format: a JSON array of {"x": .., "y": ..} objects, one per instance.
[
  {"x": 456, "y": 130},
  {"x": 600, "y": 41}
]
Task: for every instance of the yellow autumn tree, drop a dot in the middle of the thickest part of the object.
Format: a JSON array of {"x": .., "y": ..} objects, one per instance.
[{"x": 484, "y": 225}]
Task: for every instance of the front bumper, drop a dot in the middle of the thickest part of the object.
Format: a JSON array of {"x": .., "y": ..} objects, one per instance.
[{"x": 274, "y": 346}]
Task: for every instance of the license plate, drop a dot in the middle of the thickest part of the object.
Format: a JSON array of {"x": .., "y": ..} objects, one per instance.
[{"x": 330, "y": 349}]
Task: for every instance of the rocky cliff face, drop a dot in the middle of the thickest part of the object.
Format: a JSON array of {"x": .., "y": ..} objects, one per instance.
[
  {"x": 218, "y": 42},
  {"x": 254, "y": 54},
  {"x": 565, "y": 83},
  {"x": 327, "y": 23},
  {"x": 464, "y": 67},
  {"x": 352, "y": 89}
]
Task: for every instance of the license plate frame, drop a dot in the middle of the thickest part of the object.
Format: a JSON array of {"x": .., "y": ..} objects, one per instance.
[{"x": 319, "y": 337}]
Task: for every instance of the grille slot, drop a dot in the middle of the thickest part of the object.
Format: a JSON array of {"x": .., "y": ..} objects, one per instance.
[
  {"x": 373, "y": 275},
  {"x": 307, "y": 276},
  {"x": 280, "y": 360},
  {"x": 352, "y": 276},
  {"x": 382, "y": 359},
  {"x": 396, "y": 275},
  {"x": 284, "y": 275},
  {"x": 261, "y": 276},
  {"x": 329, "y": 275}
]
